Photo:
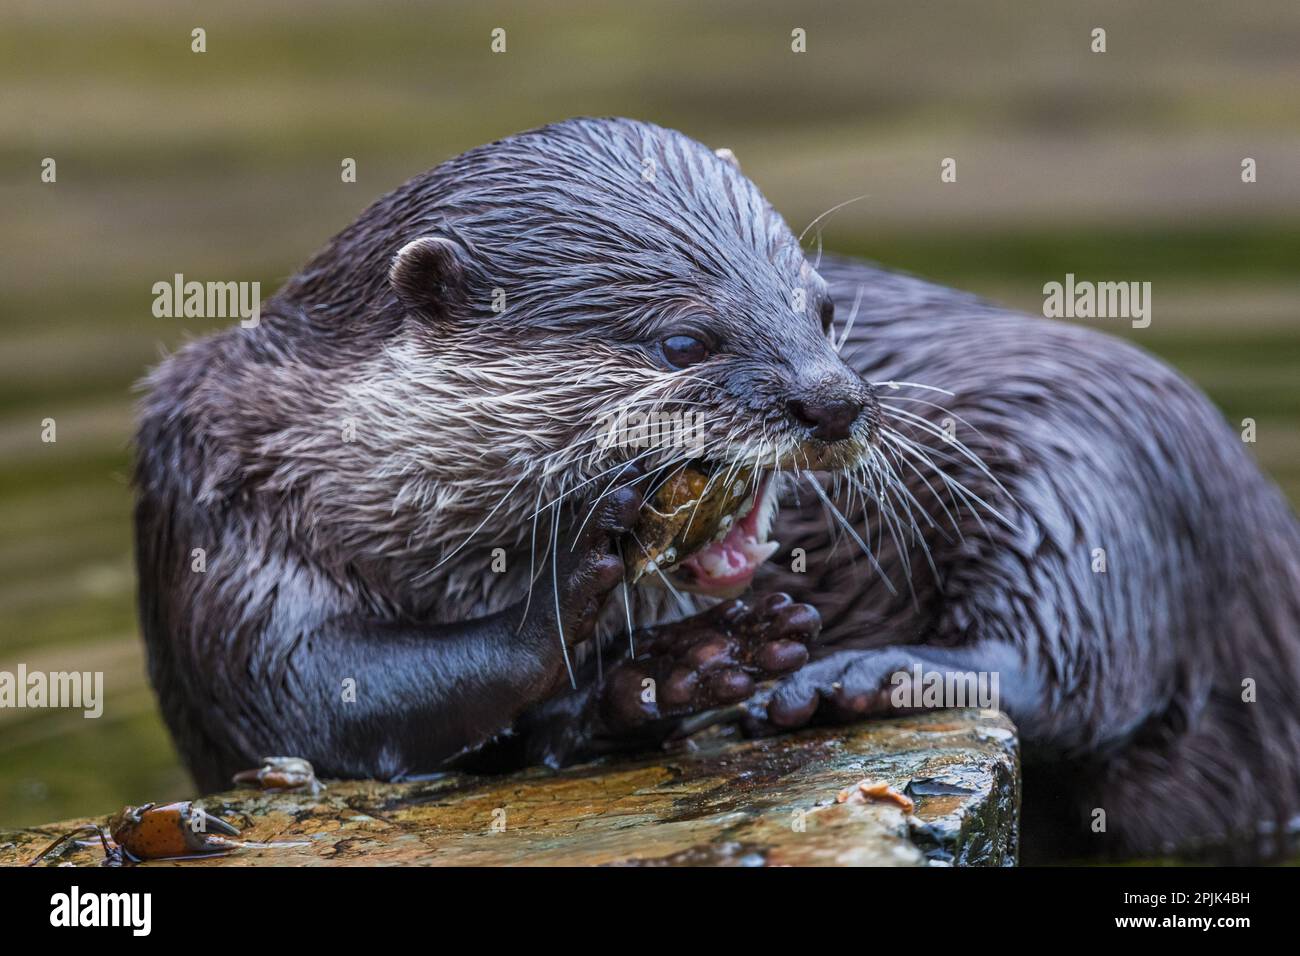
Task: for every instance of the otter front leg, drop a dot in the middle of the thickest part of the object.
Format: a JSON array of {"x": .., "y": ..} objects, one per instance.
[
  {"x": 685, "y": 668},
  {"x": 425, "y": 693}
]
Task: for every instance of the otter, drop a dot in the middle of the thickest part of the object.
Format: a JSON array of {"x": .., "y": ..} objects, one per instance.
[{"x": 381, "y": 529}]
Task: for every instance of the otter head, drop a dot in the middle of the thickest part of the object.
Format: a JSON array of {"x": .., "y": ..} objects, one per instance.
[{"x": 588, "y": 293}]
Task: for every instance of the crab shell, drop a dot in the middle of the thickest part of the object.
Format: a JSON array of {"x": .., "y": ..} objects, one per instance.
[
  {"x": 688, "y": 511},
  {"x": 153, "y": 832}
]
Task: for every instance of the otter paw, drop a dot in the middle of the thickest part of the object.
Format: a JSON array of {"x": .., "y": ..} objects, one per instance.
[
  {"x": 844, "y": 686},
  {"x": 588, "y": 570},
  {"x": 713, "y": 659}
]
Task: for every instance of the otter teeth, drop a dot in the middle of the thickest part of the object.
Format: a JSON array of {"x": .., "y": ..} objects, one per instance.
[
  {"x": 723, "y": 527},
  {"x": 737, "y": 548}
]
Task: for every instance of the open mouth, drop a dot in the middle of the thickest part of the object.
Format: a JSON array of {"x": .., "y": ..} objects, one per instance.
[
  {"x": 726, "y": 565},
  {"x": 708, "y": 534}
]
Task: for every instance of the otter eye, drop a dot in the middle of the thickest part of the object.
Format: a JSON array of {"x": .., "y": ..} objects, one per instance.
[
  {"x": 828, "y": 314},
  {"x": 684, "y": 350}
]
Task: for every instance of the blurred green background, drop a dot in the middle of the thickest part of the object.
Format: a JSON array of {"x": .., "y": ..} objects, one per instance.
[{"x": 225, "y": 165}]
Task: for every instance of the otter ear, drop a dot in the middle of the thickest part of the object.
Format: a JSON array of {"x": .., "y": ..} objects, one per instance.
[
  {"x": 428, "y": 273},
  {"x": 727, "y": 156}
]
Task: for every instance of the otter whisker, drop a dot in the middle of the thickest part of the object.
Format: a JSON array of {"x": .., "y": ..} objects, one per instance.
[
  {"x": 865, "y": 470},
  {"x": 923, "y": 453},
  {"x": 599, "y": 640},
  {"x": 843, "y": 487},
  {"x": 683, "y": 376},
  {"x": 755, "y": 469},
  {"x": 954, "y": 486},
  {"x": 880, "y": 476},
  {"x": 888, "y": 520},
  {"x": 682, "y": 603},
  {"x": 614, "y": 467},
  {"x": 848, "y": 325},
  {"x": 533, "y": 572},
  {"x": 877, "y": 495},
  {"x": 944, "y": 410},
  {"x": 903, "y": 445},
  {"x": 835, "y": 528},
  {"x": 925, "y": 401},
  {"x": 627, "y": 606},
  {"x": 835, "y": 532},
  {"x": 968, "y": 455},
  {"x": 850, "y": 529},
  {"x": 426, "y": 574},
  {"x": 595, "y": 504},
  {"x": 555, "y": 583},
  {"x": 892, "y": 490},
  {"x": 894, "y": 383},
  {"x": 653, "y": 473},
  {"x": 899, "y": 460},
  {"x": 929, "y": 427},
  {"x": 906, "y": 455},
  {"x": 834, "y": 209}
]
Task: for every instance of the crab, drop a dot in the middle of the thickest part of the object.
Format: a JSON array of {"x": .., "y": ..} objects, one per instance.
[
  {"x": 153, "y": 832},
  {"x": 707, "y": 531}
]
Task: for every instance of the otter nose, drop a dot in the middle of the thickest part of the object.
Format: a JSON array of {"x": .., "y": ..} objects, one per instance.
[{"x": 827, "y": 420}]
